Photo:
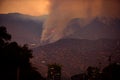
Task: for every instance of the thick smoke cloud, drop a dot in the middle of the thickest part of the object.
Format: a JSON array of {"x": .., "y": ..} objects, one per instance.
[{"x": 62, "y": 11}]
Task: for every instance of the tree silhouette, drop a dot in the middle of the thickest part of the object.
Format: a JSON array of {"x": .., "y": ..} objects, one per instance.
[
  {"x": 4, "y": 36},
  {"x": 93, "y": 73},
  {"x": 15, "y": 60},
  {"x": 54, "y": 72},
  {"x": 111, "y": 72}
]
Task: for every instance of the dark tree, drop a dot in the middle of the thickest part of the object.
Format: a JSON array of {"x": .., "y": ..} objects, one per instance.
[
  {"x": 4, "y": 36},
  {"x": 111, "y": 72},
  {"x": 93, "y": 73},
  {"x": 15, "y": 60},
  {"x": 54, "y": 72}
]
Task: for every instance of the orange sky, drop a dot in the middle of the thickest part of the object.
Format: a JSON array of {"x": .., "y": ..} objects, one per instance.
[
  {"x": 31, "y": 7},
  {"x": 42, "y": 7}
]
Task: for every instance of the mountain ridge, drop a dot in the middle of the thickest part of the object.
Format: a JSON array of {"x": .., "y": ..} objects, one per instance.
[
  {"x": 25, "y": 29},
  {"x": 96, "y": 29}
]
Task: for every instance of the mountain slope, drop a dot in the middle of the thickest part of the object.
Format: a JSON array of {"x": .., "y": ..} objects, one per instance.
[
  {"x": 76, "y": 55},
  {"x": 78, "y": 28},
  {"x": 98, "y": 28},
  {"x": 23, "y": 28}
]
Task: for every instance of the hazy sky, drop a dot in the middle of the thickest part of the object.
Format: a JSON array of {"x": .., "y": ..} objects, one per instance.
[
  {"x": 41, "y": 7},
  {"x": 61, "y": 12},
  {"x": 31, "y": 7}
]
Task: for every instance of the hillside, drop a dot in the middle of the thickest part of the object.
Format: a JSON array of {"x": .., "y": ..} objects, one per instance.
[
  {"x": 78, "y": 28},
  {"x": 24, "y": 29},
  {"x": 76, "y": 55},
  {"x": 99, "y": 27}
]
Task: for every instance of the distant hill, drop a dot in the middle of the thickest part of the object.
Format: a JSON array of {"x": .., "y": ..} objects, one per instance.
[
  {"x": 76, "y": 54},
  {"x": 23, "y": 28},
  {"x": 27, "y": 29},
  {"x": 96, "y": 28},
  {"x": 99, "y": 27}
]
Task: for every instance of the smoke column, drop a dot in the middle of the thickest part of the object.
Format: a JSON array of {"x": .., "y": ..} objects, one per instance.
[{"x": 62, "y": 11}]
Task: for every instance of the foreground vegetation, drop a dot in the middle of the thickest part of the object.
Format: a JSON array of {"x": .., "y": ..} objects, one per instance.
[
  {"x": 15, "y": 64},
  {"x": 15, "y": 60}
]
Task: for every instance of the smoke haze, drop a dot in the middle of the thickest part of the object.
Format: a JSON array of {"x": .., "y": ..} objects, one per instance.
[
  {"x": 31, "y": 7},
  {"x": 62, "y": 11}
]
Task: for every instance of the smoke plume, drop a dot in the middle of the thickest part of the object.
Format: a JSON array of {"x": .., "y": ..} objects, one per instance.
[{"x": 62, "y": 11}]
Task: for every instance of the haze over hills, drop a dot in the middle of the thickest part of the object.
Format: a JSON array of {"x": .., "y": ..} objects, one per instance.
[
  {"x": 28, "y": 29},
  {"x": 97, "y": 28},
  {"x": 76, "y": 55},
  {"x": 79, "y": 47},
  {"x": 100, "y": 27},
  {"x": 24, "y": 29}
]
